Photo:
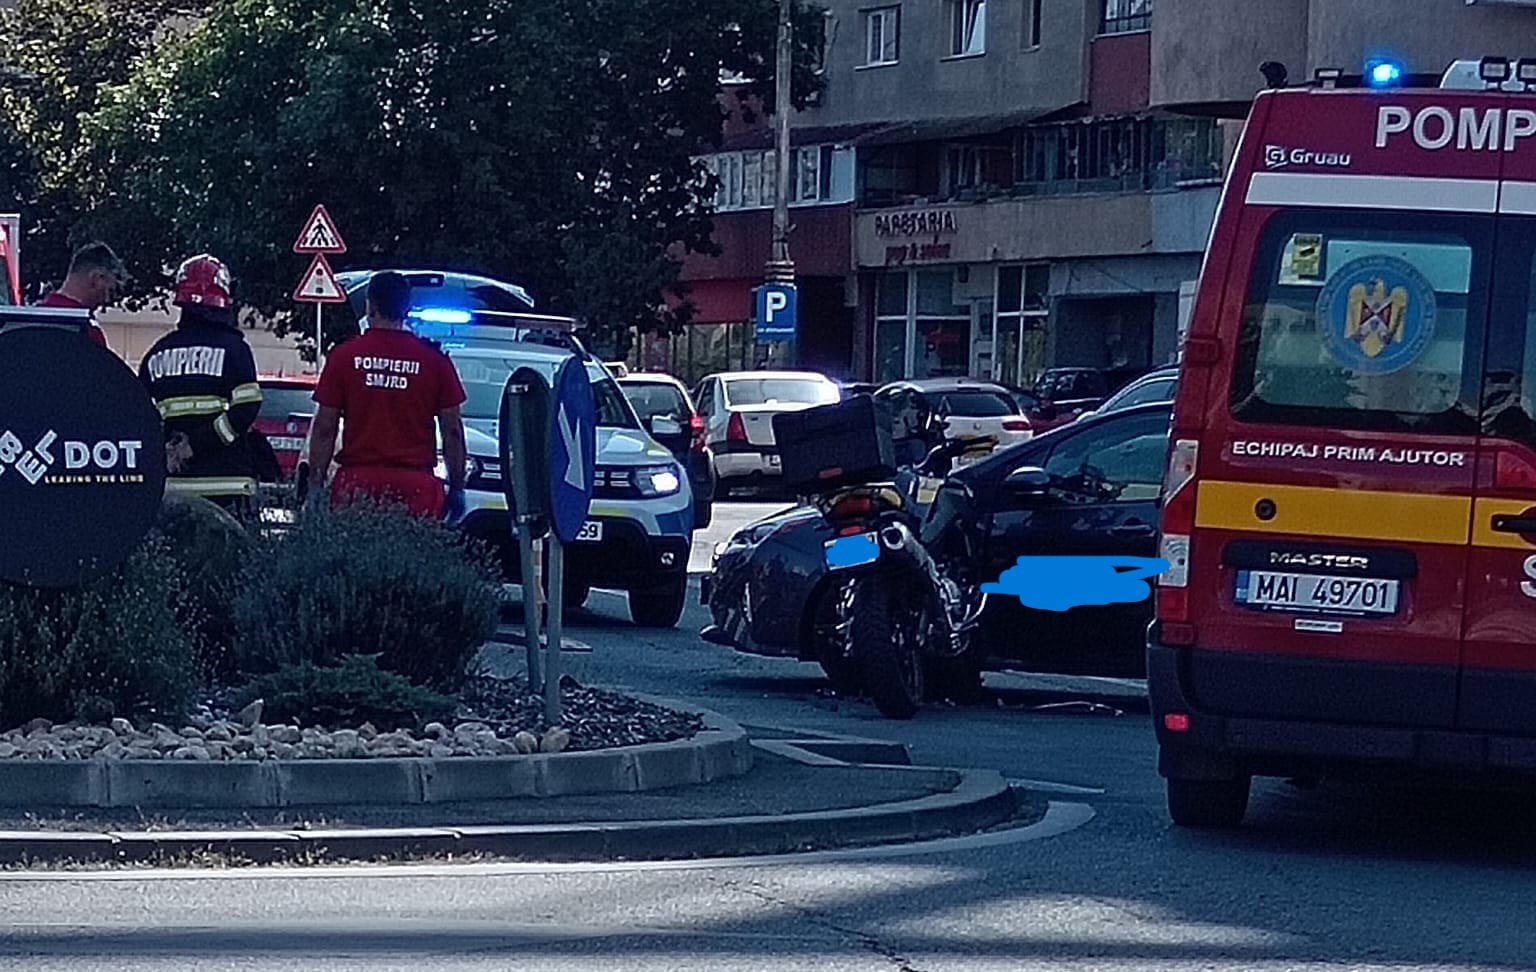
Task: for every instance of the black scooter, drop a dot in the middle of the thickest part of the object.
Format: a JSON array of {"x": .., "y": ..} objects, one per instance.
[{"x": 904, "y": 605}]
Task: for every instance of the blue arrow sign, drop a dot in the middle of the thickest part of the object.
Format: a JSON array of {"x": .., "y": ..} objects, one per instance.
[
  {"x": 572, "y": 449},
  {"x": 778, "y": 312}
]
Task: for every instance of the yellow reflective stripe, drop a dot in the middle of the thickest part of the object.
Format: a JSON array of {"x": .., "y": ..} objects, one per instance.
[
  {"x": 1359, "y": 514},
  {"x": 211, "y": 485},
  {"x": 226, "y": 431},
  {"x": 192, "y": 405},
  {"x": 245, "y": 394}
]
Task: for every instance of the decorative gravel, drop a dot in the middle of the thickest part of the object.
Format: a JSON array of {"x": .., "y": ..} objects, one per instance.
[{"x": 496, "y": 717}]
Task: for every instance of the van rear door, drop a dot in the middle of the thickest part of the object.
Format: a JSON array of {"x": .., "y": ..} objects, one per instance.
[
  {"x": 1498, "y": 685},
  {"x": 1334, "y": 502}
]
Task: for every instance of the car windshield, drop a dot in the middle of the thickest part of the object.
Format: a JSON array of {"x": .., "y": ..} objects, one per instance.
[
  {"x": 976, "y": 403},
  {"x": 485, "y": 376},
  {"x": 653, "y": 398},
  {"x": 1143, "y": 393},
  {"x": 772, "y": 391},
  {"x": 279, "y": 403}
]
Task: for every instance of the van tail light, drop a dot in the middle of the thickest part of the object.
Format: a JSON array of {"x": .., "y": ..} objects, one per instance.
[
  {"x": 1176, "y": 721},
  {"x": 1178, "y": 523},
  {"x": 700, "y": 432},
  {"x": 736, "y": 428},
  {"x": 1016, "y": 425}
]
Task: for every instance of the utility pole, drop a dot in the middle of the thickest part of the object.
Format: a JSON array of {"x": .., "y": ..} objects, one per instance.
[{"x": 781, "y": 269}]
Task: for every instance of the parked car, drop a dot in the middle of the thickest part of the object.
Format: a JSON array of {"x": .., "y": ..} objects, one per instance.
[
  {"x": 738, "y": 409},
  {"x": 968, "y": 407},
  {"x": 660, "y": 396},
  {"x": 767, "y": 592},
  {"x": 1151, "y": 388},
  {"x": 287, "y": 409},
  {"x": 1061, "y": 394}
]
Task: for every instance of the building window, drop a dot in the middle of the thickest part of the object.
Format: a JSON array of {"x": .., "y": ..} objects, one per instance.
[
  {"x": 730, "y": 182},
  {"x": 1126, "y": 154},
  {"x": 752, "y": 179},
  {"x": 808, "y": 169},
  {"x": 920, "y": 332},
  {"x": 1124, "y": 16},
  {"x": 1023, "y": 303},
  {"x": 882, "y": 32},
  {"x": 1032, "y": 14},
  {"x": 967, "y": 27}
]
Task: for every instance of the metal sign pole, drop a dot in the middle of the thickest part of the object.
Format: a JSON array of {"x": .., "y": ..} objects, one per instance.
[
  {"x": 530, "y": 604},
  {"x": 554, "y": 632},
  {"x": 319, "y": 337}
]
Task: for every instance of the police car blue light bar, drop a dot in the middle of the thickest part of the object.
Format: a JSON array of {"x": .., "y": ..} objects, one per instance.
[{"x": 442, "y": 315}]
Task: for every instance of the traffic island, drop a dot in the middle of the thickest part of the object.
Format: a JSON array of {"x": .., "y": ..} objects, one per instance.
[{"x": 788, "y": 801}]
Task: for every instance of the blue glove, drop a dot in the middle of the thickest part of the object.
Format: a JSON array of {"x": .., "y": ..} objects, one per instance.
[{"x": 453, "y": 510}]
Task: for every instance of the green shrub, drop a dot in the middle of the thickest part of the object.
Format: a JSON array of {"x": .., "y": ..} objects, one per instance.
[
  {"x": 112, "y": 648},
  {"x": 367, "y": 581},
  {"x": 348, "y": 695},
  {"x": 213, "y": 551}
]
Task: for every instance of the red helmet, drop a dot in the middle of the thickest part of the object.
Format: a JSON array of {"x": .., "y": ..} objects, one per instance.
[{"x": 203, "y": 280}]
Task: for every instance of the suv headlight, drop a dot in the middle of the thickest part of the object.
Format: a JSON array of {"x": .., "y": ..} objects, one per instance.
[{"x": 658, "y": 480}]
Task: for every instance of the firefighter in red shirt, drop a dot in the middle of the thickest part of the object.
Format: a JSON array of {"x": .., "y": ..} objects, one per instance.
[
  {"x": 386, "y": 388},
  {"x": 95, "y": 274}
]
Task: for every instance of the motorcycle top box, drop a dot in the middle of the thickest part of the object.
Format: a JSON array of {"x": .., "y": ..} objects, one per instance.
[{"x": 832, "y": 445}]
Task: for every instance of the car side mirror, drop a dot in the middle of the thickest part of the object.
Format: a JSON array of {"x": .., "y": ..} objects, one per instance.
[
  {"x": 1027, "y": 481},
  {"x": 666, "y": 425}
]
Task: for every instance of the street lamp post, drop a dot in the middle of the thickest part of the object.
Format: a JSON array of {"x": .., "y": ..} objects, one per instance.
[{"x": 781, "y": 269}]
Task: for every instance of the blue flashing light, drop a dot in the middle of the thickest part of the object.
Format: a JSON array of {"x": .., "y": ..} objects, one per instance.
[
  {"x": 1383, "y": 74},
  {"x": 442, "y": 315}
]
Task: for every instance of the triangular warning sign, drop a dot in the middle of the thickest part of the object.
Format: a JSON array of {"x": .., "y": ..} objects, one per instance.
[
  {"x": 320, "y": 285},
  {"x": 320, "y": 235}
]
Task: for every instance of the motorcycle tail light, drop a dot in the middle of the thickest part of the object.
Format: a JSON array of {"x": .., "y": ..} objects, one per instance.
[
  {"x": 853, "y": 506},
  {"x": 851, "y": 530}
]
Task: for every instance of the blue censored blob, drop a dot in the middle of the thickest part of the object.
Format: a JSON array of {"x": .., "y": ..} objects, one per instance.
[
  {"x": 1063, "y": 583},
  {"x": 853, "y": 551}
]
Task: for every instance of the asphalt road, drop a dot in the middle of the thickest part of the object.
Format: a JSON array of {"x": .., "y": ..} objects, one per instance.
[{"x": 1330, "y": 878}]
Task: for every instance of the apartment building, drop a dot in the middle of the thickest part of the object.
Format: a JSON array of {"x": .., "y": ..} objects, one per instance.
[{"x": 1029, "y": 183}]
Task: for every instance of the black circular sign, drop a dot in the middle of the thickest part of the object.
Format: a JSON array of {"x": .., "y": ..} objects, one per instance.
[{"x": 82, "y": 458}]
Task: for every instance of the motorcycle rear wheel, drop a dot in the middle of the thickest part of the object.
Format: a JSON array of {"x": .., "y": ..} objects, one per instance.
[{"x": 887, "y": 645}]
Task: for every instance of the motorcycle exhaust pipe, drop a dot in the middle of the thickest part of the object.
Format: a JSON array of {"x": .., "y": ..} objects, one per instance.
[{"x": 893, "y": 539}]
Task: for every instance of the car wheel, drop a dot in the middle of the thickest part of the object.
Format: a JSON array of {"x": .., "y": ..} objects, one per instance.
[
  {"x": 659, "y": 607},
  {"x": 887, "y": 649},
  {"x": 1208, "y": 804}
]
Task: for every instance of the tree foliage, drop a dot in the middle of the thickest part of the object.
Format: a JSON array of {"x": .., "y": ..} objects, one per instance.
[
  {"x": 551, "y": 142},
  {"x": 60, "y": 56}
]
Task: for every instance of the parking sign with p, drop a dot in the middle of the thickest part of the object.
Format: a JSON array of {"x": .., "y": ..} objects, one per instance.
[{"x": 778, "y": 311}]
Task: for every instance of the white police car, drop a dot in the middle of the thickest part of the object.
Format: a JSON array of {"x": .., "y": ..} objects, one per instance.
[{"x": 639, "y": 530}]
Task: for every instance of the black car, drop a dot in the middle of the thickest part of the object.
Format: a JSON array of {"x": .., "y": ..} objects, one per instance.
[{"x": 767, "y": 590}]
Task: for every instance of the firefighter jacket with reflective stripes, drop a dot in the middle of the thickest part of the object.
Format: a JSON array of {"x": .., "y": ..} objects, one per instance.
[{"x": 203, "y": 378}]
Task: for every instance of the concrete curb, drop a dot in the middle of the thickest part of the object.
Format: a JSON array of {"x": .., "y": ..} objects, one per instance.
[
  {"x": 721, "y": 751},
  {"x": 980, "y": 799}
]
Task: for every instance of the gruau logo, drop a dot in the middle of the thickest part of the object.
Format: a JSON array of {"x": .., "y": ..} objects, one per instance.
[
  {"x": 1278, "y": 157},
  {"x": 82, "y": 459}
]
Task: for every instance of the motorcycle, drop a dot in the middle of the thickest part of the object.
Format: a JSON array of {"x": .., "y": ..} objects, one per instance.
[{"x": 906, "y": 599}]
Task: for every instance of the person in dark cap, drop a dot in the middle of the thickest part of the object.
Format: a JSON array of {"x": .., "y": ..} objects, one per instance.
[{"x": 95, "y": 275}]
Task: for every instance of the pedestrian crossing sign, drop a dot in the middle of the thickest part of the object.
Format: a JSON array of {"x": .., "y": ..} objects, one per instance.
[{"x": 320, "y": 235}]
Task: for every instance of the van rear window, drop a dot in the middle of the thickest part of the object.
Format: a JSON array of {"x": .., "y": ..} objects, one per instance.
[{"x": 1370, "y": 322}]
